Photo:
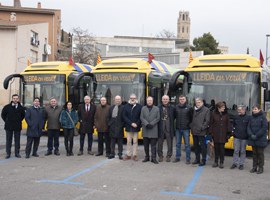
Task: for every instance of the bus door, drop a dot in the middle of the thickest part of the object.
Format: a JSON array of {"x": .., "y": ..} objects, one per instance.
[
  {"x": 83, "y": 84},
  {"x": 179, "y": 85}
]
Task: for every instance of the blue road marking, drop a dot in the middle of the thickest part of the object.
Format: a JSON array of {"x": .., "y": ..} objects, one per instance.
[
  {"x": 68, "y": 179},
  {"x": 189, "y": 189}
]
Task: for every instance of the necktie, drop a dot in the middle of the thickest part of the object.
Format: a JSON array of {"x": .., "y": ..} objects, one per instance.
[{"x": 87, "y": 108}]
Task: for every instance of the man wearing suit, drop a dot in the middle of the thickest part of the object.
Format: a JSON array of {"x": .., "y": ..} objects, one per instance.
[
  {"x": 116, "y": 125},
  {"x": 150, "y": 116},
  {"x": 86, "y": 114}
]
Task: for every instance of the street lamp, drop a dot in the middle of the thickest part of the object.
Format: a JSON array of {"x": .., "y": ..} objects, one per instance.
[{"x": 268, "y": 35}]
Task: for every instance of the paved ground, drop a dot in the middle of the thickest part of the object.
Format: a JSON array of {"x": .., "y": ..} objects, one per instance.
[{"x": 91, "y": 177}]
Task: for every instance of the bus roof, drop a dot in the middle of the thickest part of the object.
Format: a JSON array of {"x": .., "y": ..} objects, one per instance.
[
  {"x": 228, "y": 60},
  {"x": 134, "y": 64},
  {"x": 58, "y": 66}
]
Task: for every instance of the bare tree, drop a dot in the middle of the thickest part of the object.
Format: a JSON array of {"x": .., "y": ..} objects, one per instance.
[
  {"x": 84, "y": 50},
  {"x": 166, "y": 34}
]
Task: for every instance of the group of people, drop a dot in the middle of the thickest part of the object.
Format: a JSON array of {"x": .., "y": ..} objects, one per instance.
[{"x": 157, "y": 122}]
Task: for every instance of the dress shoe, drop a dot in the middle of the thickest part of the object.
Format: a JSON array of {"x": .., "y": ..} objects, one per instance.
[
  {"x": 145, "y": 160},
  {"x": 90, "y": 153},
  {"x": 135, "y": 158},
  {"x": 127, "y": 157},
  {"x": 195, "y": 162},
  {"x": 176, "y": 160},
  {"x": 27, "y": 156},
  {"x": 111, "y": 157},
  {"x": 241, "y": 167},
  {"x": 160, "y": 159},
  {"x": 107, "y": 155},
  {"x": 168, "y": 159},
  {"x": 215, "y": 165},
  {"x": 7, "y": 156},
  {"x": 188, "y": 162},
  {"x": 154, "y": 161},
  {"x": 99, "y": 154},
  {"x": 120, "y": 157},
  {"x": 67, "y": 154},
  {"x": 254, "y": 169},
  {"x": 233, "y": 166},
  {"x": 35, "y": 155},
  {"x": 221, "y": 166},
  {"x": 202, "y": 164},
  {"x": 71, "y": 153},
  {"x": 260, "y": 170},
  {"x": 48, "y": 153},
  {"x": 18, "y": 155},
  {"x": 56, "y": 153},
  {"x": 80, "y": 153}
]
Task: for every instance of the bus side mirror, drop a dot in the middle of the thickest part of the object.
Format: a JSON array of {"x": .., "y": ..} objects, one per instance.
[
  {"x": 153, "y": 91},
  {"x": 265, "y": 85},
  {"x": 266, "y": 95}
]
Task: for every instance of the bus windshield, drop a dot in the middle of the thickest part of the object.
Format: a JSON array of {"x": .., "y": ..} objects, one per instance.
[
  {"x": 235, "y": 88},
  {"x": 43, "y": 86},
  {"x": 111, "y": 84}
]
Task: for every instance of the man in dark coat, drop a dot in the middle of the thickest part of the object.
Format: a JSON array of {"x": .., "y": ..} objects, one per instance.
[
  {"x": 199, "y": 127},
  {"x": 150, "y": 116},
  {"x": 101, "y": 124},
  {"x": 35, "y": 120},
  {"x": 13, "y": 114},
  {"x": 131, "y": 116},
  {"x": 166, "y": 128},
  {"x": 183, "y": 116},
  {"x": 52, "y": 114},
  {"x": 240, "y": 135},
  {"x": 86, "y": 114},
  {"x": 116, "y": 125}
]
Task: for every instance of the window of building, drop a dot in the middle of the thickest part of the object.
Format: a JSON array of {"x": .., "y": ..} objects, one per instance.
[
  {"x": 183, "y": 17},
  {"x": 34, "y": 39},
  {"x": 34, "y": 56},
  {"x": 183, "y": 29}
]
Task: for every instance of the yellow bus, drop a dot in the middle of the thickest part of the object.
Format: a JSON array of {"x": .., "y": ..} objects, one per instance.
[
  {"x": 235, "y": 79},
  {"x": 124, "y": 76},
  {"x": 54, "y": 79}
]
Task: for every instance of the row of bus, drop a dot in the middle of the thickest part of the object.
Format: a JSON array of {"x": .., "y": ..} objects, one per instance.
[{"x": 235, "y": 79}]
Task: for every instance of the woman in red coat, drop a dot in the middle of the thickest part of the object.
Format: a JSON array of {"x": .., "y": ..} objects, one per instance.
[{"x": 219, "y": 128}]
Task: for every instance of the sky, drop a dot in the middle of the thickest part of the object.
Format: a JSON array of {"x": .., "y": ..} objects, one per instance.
[{"x": 238, "y": 24}]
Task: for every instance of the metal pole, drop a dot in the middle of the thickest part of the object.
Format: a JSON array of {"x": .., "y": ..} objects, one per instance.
[{"x": 266, "y": 62}]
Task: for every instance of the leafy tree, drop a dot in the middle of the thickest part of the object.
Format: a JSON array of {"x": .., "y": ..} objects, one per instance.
[
  {"x": 84, "y": 48},
  {"x": 206, "y": 43},
  {"x": 165, "y": 34}
]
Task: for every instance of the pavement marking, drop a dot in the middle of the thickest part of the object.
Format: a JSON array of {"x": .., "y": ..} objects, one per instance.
[
  {"x": 189, "y": 189},
  {"x": 68, "y": 181}
]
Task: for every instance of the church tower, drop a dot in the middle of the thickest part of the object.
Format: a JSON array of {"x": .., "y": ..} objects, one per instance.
[{"x": 183, "y": 26}]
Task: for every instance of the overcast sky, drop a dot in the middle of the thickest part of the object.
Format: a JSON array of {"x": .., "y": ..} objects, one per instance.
[{"x": 237, "y": 24}]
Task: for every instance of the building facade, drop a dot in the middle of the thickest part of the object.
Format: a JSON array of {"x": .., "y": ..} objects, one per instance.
[{"x": 19, "y": 45}]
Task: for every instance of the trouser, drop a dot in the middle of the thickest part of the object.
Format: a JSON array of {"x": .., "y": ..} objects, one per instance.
[
  {"x": 132, "y": 136},
  {"x": 53, "y": 139},
  {"x": 104, "y": 136},
  {"x": 239, "y": 146},
  {"x": 30, "y": 141},
  {"x": 169, "y": 141},
  {"x": 9, "y": 136},
  {"x": 120, "y": 146},
  {"x": 90, "y": 141},
  {"x": 146, "y": 143},
  {"x": 69, "y": 134},
  {"x": 219, "y": 152},
  {"x": 258, "y": 156},
  {"x": 185, "y": 134},
  {"x": 200, "y": 147}
]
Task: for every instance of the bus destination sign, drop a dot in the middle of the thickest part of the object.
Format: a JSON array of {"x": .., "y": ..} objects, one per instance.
[
  {"x": 219, "y": 76},
  {"x": 40, "y": 78},
  {"x": 126, "y": 77}
]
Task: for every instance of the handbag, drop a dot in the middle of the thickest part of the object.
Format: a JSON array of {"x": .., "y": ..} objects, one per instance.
[{"x": 76, "y": 131}]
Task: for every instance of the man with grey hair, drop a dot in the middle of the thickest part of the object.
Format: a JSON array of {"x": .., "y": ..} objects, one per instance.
[
  {"x": 116, "y": 125},
  {"x": 86, "y": 114},
  {"x": 240, "y": 135},
  {"x": 131, "y": 117},
  {"x": 199, "y": 127},
  {"x": 52, "y": 114}
]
